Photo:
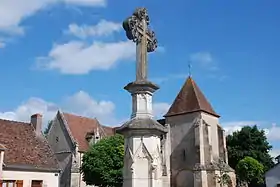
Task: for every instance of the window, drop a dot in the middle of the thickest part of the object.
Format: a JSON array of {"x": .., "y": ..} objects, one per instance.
[
  {"x": 56, "y": 139},
  {"x": 184, "y": 155},
  {"x": 11, "y": 183},
  {"x": 37, "y": 183}
]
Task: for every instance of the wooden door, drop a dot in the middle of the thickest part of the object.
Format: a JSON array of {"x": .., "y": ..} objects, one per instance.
[
  {"x": 37, "y": 183},
  {"x": 19, "y": 183}
]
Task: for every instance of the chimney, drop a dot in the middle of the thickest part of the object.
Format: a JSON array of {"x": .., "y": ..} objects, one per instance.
[{"x": 36, "y": 121}]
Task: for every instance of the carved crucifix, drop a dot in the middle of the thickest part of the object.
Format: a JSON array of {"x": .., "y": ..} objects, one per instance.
[{"x": 137, "y": 30}]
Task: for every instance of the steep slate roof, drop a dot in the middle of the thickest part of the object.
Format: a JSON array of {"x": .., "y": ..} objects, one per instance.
[
  {"x": 190, "y": 99},
  {"x": 79, "y": 126},
  {"x": 23, "y": 148}
]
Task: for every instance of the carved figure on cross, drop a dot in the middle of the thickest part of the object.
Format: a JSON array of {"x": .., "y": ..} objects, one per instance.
[{"x": 136, "y": 27}]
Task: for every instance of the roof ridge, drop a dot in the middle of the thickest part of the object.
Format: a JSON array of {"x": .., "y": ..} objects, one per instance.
[
  {"x": 14, "y": 121},
  {"x": 195, "y": 91},
  {"x": 80, "y": 116},
  {"x": 66, "y": 125},
  {"x": 85, "y": 117}
]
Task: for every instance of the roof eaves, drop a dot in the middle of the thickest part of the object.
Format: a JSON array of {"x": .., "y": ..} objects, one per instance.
[
  {"x": 29, "y": 168},
  {"x": 190, "y": 112}
]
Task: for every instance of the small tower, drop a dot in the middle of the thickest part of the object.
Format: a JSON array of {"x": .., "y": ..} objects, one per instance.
[
  {"x": 198, "y": 148},
  {"x": 143, "y": 161}
]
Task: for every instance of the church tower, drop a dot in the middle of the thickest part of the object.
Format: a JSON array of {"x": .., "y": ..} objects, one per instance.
[
  {"x": 143, "y": 166},
  {"x": 198, "y": 154}
]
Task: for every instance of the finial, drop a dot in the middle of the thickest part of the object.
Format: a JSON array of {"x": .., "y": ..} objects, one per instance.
[{"x": 190, "y": 66}]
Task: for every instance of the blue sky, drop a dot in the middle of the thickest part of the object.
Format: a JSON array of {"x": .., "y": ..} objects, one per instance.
[{"x": 74, "y": 55}]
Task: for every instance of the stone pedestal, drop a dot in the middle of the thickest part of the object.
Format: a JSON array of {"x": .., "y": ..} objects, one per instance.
[{"x": 143, "y": 160}]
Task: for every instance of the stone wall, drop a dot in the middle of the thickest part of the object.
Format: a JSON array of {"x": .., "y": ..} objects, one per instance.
[
  {"x": 184, "y": 152},
  {"x": 62, "y": 146}
]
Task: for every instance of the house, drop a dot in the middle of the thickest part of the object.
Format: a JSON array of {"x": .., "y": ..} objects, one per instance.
[
  {"x": 26, "y": 160},
  {"x": 272, "y": 177},
  {"x": 69, "y": 137}
]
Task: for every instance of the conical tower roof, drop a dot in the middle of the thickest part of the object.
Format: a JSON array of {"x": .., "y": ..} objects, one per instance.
[{"x": 190, "y": 99}]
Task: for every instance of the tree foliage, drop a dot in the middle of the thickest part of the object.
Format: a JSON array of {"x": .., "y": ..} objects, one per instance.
[
  {"x": 46, "y": 131},
  {"x": 103, "y": 162},
  {"x": 250, "y": 170},
  {"x": 252, "y": 142}
]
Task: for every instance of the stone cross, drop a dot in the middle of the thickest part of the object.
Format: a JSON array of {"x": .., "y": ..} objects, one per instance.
[{"x": 137, "y": 30}]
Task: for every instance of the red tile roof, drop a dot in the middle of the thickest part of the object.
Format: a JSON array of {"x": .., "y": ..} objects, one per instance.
[
  {"x": 23, "y": 147},
  {"x": 79, "y": 127},
  {"x": 190, "y": 99}
]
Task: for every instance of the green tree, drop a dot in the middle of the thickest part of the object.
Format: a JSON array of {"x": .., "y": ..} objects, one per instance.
[
  {"x": 46, "y": 131},
  {"x": 103, "y": 162},
  {"x": 249, "y": 170},
  {"x": 249, "y": 142},
  {"x": 252, "y": 142}
]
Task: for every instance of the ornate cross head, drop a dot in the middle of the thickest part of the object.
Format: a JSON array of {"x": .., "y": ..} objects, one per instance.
[{"x": 136, "y": 26}]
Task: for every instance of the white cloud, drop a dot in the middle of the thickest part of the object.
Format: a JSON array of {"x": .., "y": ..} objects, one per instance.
[
  {"x": 80, "y": 103},
  {"x": 31, "y": 106},
  {"x": 83, "y": 104},
  {"x": 103, "y": 28},
  {"x": 86, "y": 2},
  {"x": 160, "y": 109},
  {"x": 204, "y": 60},
  {"x": 273, "y": 133},
  {"x": 233, "y": 126},
  {"x": 77, "y": 57},
  {"x": 13, "y": 12},
  {"x": 275, "y": 152}
]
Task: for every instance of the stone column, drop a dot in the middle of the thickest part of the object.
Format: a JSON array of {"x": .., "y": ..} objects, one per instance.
[{"x": 143, "y": 162}]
